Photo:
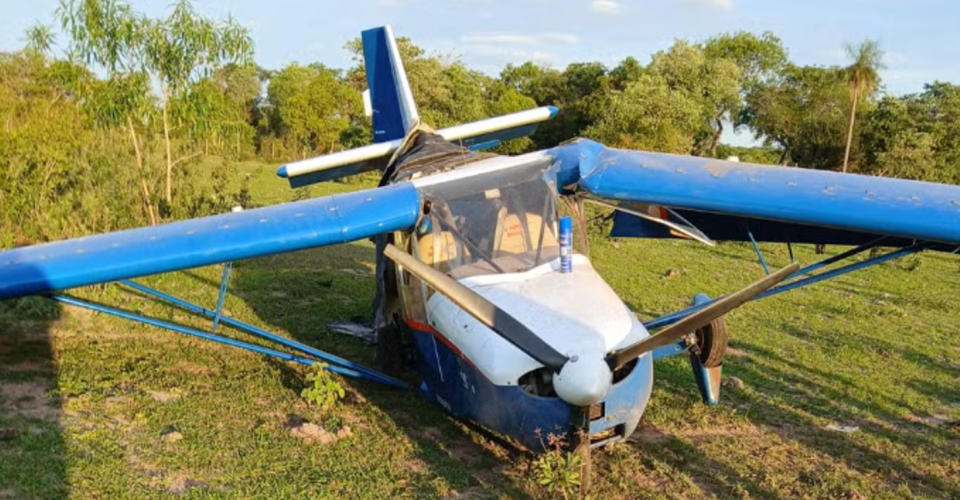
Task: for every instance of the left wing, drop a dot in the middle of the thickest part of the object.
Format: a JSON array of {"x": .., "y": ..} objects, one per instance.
[{"x": 716, "y": 196}]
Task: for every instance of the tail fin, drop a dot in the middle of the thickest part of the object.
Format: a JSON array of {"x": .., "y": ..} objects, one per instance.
[{"x": 394, "y": 112}]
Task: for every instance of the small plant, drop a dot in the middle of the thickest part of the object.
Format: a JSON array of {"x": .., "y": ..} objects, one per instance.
[
  {"x": 322, "y": 388},
  {"x": 911, "y": 263},
  {"x": 558, "y": 470}
]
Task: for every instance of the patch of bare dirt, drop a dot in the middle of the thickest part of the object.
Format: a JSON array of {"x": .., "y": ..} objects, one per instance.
[
  {"x": 28, "y": 366},
  {"x": 117, "y": 401},
  {"x": 188, "y": 368},
  {"x": 733, "y": 383},
  {"x": 163, "y": 397},
  {"x": 476, "y": 493},
  {"x": 934, "y": 421},
  {"x": 30, "y": 399},
  {"x": 651, "y": 434},
  {"x": 179, "y": 485},
  {"x": 313, "y": 433},
  {"x": 171, "y": 436},
  {"x": 736, "y": 353}
]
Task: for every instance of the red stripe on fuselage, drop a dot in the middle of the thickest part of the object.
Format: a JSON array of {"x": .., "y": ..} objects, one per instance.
[{"x": 424, "y": 327}]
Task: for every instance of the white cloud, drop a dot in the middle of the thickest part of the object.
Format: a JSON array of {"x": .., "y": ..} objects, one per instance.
[
  {"x": 717, "y": 4},
  {"x": 608, "y": 7},
  {"x": 518, "y": 39},
  {"x": 504, "y": 54}
]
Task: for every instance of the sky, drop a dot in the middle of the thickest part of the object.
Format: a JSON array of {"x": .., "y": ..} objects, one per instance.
[{"x": 919, "y": 37}]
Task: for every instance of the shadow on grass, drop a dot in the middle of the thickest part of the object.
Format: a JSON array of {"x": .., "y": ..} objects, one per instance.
[
  {"x": 800, "y": 397},
  {"x": 301, "y": 293},
  {"x": 32, "y": 450},
  {"x": 793, "y": 400}
]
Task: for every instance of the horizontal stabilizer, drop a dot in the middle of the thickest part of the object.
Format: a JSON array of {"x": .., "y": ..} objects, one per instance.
[
  {"x": 209, "y": 240},
  {"x": 476, "y": 135},
  {"x": 843, "y": 202}
]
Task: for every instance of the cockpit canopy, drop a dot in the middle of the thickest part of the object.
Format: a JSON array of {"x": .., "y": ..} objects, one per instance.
[{"x": 503, "y": 221}]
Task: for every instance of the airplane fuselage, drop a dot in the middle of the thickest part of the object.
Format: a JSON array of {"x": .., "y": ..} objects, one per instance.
[{"x": 474, "y": 373}]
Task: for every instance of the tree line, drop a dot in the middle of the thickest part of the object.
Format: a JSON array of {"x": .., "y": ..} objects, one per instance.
[{"x": 109, "y": 127}]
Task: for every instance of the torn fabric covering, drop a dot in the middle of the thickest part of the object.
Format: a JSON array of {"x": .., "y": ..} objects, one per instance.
[{"x": 422, "y": 153}]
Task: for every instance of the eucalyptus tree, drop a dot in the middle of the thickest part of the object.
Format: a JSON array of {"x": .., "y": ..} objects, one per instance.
[
  {"x": 107, "y": 35},
  {"x": 862, "y": 78},
  {"x": 180, "y": 50}
]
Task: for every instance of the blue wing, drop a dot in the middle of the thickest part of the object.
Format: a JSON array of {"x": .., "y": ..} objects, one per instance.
[
  {"x": 783, "y": 201},
  {"x": 210, "y": 240}
]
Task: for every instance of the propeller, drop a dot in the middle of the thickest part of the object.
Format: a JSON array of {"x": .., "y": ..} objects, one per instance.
[
  {"x": 486, "y": 312},
  {"x": 698, "y": 320}
]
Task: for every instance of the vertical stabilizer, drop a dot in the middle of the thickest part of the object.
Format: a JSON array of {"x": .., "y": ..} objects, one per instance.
[{"x": 394, "y": 112}]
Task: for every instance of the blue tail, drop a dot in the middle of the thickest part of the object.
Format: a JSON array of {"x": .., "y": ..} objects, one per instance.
[
  {"x": 390, "y": 103},
  {"x": 394, "y": 112}
]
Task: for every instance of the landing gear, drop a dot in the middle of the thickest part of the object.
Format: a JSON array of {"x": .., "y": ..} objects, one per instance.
[
  {"x": 580, "y": 444},
  {"x": 712, "y": 343},
  {"x": 706, "y": 355}
]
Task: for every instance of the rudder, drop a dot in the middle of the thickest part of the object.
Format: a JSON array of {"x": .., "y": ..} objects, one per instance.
[{"x": 394, "y": 111}]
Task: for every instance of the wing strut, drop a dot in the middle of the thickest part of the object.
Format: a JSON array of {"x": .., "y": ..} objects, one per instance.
[{"x": 697, "y": 320}]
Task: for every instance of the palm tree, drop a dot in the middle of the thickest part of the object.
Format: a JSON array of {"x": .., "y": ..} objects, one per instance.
[
  {"x": 39, "y": 38},
  {"x": 863, "y": 78}
]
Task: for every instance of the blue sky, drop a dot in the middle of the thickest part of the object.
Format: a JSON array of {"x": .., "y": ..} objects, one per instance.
[{"x": 920, "y": 37}]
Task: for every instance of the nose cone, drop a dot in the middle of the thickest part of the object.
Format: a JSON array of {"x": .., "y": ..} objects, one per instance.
[{"x": 583, "y": 380}]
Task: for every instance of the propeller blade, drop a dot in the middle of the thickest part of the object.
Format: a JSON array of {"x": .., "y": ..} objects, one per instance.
[
  {"x": 483, "y": 310},
  {"x": 699, "y": 319}
]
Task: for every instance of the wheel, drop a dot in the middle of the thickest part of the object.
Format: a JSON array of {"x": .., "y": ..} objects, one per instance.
[{"x": 712, "y": 343}]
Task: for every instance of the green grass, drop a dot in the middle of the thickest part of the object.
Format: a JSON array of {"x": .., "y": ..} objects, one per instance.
[{"x": 89, "y": 398}]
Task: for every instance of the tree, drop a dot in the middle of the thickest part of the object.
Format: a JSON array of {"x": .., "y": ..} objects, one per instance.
[
  {"x": 712, "y": 83},
  {"x": 183, "y": 48},
  {"x": 649, "y": 115},
  {"x": 39, "y": 38},
  {"x": 629, "y": 70},
  {"x": 310, "y": 108},
  {"x": 916, "y": 136},
  {"x": 802, "y": 112},
  {"x": 759, "y": 59},
  {"x": 863, "y": 78},
  {"x": 106, "y": 34}
]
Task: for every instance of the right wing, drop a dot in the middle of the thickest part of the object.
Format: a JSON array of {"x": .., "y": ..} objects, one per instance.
[{"x": 199, "y": 242}]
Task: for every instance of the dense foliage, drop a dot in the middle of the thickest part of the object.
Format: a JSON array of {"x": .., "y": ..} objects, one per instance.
[{"x": 113, "y": 130}]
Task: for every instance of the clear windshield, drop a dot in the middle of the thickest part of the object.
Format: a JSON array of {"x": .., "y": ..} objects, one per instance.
[{"x": 499, "y": 222}]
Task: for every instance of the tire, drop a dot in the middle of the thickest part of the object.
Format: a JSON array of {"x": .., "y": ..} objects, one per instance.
[{"x": 712, "y": 342}]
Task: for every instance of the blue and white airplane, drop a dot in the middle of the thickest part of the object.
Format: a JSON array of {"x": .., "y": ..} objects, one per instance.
[{"x": 507, "y": 323}]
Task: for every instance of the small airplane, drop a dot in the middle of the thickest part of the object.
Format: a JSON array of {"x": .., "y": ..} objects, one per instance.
[{"x": 485, "y": 286}]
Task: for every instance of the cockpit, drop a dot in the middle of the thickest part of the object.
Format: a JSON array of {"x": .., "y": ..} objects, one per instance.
[{"x": 503, "y": 221}]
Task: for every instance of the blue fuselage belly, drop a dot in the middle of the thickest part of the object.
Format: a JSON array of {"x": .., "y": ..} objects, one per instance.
[{"x": 455, "y": 384}]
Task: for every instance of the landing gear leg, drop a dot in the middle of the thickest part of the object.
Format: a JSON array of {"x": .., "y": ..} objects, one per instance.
[{"x": 580, "y": 444}]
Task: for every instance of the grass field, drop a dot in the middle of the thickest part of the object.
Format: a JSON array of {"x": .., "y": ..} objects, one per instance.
[{"x": 94, "y": 407}]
